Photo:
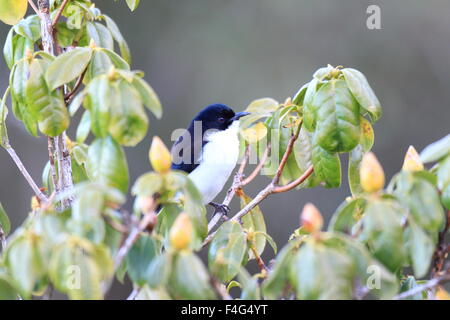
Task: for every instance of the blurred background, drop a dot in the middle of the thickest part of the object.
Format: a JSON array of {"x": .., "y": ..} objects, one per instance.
[{"x": 197, "y": 52}]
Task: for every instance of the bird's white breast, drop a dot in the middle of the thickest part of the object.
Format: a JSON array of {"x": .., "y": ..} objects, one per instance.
[{"x": 219, "y": 157}]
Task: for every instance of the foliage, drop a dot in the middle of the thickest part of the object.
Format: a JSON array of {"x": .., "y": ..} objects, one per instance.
[{"x": 378, "y": 242}]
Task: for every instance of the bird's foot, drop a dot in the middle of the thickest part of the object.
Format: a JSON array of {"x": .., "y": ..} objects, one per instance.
[{"x": 220, "y": 208}]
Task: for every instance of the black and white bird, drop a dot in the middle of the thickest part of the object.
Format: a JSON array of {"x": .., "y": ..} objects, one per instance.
[{"x": 209, "y": 149}]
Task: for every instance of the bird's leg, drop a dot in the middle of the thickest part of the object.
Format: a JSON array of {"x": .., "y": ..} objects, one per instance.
[{"x": 219, "y": 207}]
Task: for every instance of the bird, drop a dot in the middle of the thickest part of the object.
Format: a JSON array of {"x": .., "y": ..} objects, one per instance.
[{"x": 208, "y": 151}]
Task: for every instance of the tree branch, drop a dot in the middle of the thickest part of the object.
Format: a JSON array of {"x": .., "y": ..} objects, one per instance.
[
  {"x": 428, "y": 285},
  {"x": 32, "y": 5},
  {"x": 25, "y": 173},
  {"x": 57, "y": 145},
  {"x": 59, "y": 13},
  {"x": 272, "y": 187}
]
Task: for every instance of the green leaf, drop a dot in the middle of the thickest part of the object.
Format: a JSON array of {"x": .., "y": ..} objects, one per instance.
[
  {"x": 410, "y": 283},
  {"x": 139, "y": 258},
  {"x": 18, "y": 81},
  {"x": 67, "y": 67},
  {"x": 421, "y": 248},
  {"x": 107, "y": 164},
  {"x": 116, "y": 60},
  {"x": 30, "y": 28},
  {"x": 254, "y": 221},
  {"x": 422, "y": 199},
  {"x": 77, "y": 268},
  {"x": 227, "y": 251},
  {"x": 361, "y": 90},
  {"x": 159, "y": 270},
  {"x": 300, "y": 95},
  {"x": 321, "y": 272},
  {"x": 26, "y": 262},
  {"x": 383, "y": 231},
  {"x": 147, "y": 293},
  {"x": 249, "y": 285},
  {"x": 309, "y": 108},
  {"x": 264, "y": 105},
  {"x": 11, "y": 11},
  {"x": 443, "y": 173},
  {"x": 65, "y": 35},
  {"x": 147, "y": 185},
  {"x": 7, "y": 290},
  {"x": 117, "y": 35},
  {"x": 5, "y": 224},
  {"x": 48, "y": 107},
  {"x": 190, "y": 279},
  {"x": 436, "y": 150},
  {"x": 347, "y": 215},
  {"x": 132, "y": 4},
  {"x": 4, "y": 140},
  {"x": 327, "y": 166},
  {"x": 148, "y": 96},
  {"x": 128, "y": 122},
  {"x": 446, "y": 197},
  {"x": 337, "y": 117},
  {"x": 100, "y": 34},
  {"x": 99, "y": 101}
]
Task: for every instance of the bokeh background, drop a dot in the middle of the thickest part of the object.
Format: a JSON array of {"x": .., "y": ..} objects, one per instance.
[{"x": 196, "y": 52}]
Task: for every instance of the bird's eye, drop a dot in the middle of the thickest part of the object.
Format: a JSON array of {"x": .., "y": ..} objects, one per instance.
[{"x": 221, "y": 120}]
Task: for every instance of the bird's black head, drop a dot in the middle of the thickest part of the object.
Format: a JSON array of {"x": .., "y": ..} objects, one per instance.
[{"x": 218, "y": 116}]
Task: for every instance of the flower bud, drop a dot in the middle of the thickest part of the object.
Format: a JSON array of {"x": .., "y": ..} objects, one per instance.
[
  {"x": 412, "y": 160},
  {"x": 181, "y": 232},
  {"x": 311, "y": 218},
  {"x": 159, "y": 155},
  {"x": 371, "y": 173}
]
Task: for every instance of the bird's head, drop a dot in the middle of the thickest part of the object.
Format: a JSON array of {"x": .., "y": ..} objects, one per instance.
[{"x": 218, "y": 116}]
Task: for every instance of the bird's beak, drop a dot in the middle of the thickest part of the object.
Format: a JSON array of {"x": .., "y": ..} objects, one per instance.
[{"x": 239, "y": 115}]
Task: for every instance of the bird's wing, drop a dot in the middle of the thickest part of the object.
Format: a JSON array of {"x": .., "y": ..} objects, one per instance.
[{"x": 186, "y": 143}]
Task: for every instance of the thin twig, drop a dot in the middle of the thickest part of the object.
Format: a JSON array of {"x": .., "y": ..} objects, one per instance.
[
  {"x": 32, "y": 5},
  {"x": 220, "y": 289},
  {"x": 296, "y": 182},
  {"x": 25, "y": 173},
  {"x": 59, "y": 13},
  {"x": 260, "y": 261},
  {"x": 426, "y": 286}
]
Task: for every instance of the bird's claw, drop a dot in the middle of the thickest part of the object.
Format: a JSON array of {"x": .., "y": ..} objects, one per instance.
[{"x": 222, "y": 208}]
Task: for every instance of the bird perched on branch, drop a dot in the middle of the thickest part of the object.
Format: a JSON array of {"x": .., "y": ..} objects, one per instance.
[{"x": 208, "y": 150}]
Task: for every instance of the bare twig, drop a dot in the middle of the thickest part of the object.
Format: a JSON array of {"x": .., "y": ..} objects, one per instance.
[
  {"x": 260, "y": 261},
  {"x": 25, "y": 173},
  {"x": 431, "y": 284},
  {"x": 59, "y": 13},
  {"x": 33, "y": 6}
]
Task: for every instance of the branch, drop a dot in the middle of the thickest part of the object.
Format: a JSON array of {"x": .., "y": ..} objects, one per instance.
[
  {"x": 32, "y": 5},
  {"x": 428, "y": 285},
  {"x": 59, "y": 13},
  {"x": 77, "y": 86},
  {"x": 258, "y": 168},
  {"x": 25, "y": 173},
  {"x": 441, "y": 251},
  {"x": 57, "y": 146},
  {"x": 272, "y": 187},
  {"x": 149, "y": 219}
]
